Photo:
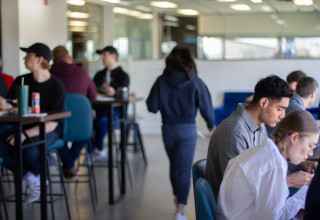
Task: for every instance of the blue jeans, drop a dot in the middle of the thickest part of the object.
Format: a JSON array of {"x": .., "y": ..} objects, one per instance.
[
  {"x": 30, "y": 156},
  {"x": 180, "y": 142},
  {"x": 69, "y": 156},
  {"x": 101, "y": 128}
]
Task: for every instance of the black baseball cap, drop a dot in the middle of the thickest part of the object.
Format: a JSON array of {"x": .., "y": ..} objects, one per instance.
[
  {"x": 40, "y": 50},
  {"x": 109, "y": 49}
]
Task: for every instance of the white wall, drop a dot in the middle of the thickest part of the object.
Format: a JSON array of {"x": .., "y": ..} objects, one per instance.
[
  {"x": 27, "y": 22},
  {"x": 220, "y": 76}
]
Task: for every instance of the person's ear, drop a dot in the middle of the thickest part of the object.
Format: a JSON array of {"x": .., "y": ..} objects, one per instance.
[
  {"x": 294, "y": 137},
  {"x": 263, "y": 103},
  {"x": 40, "y": 59},
  {"x": 293, "y": 85}
]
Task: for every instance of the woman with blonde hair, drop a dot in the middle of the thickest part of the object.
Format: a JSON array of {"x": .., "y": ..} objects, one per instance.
[{"x": 254, "y": 185}]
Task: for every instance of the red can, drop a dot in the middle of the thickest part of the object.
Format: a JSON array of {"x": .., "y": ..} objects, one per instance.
[{"x": 36, "y": 102}]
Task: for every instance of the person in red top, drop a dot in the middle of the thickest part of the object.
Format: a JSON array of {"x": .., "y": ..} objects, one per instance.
[
  {"x": 7, "y": 78},
  {"x": 76, "y": 80}
]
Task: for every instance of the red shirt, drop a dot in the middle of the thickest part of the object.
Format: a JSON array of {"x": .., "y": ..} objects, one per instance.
[{"x": 8, "y": 79}]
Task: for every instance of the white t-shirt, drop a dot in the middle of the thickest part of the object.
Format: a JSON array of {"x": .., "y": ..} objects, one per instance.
[{"x": 254, "y": 186}]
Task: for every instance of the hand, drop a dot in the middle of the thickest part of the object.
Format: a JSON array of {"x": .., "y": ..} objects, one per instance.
[
  {"x": 3, "y": 103},
  {"x": 10, "y": 139},
  {"x": 94, "y": 114},
  {"x": 298, "y": 179},
  {"x": 109, "y": 91},
  {"x": 308, "y": 166}
]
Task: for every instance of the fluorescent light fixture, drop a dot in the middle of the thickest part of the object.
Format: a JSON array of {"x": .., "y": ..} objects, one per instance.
[
  {"x": 112, "y": 1},
  {"x": 76, "y": 2},
  {"x": 120, "y": 10},
  {"x": 77, "y": 29},
  {"x": 226, "y": 0},
  {"x": 303, "y": 2},
  {"x": 170, "y": 18},
  {"x": 132, "y": 13},
  {"x": 164, "y": 4},
  {"x": 240, "y": 7},
  {"x": 142, "y": 8},
  {"x": 187, "y": 12},
  {"x": 256, "y": 1},
  {"x": 145, "y": 16},
  {"x": 78, "y": 23},
  {"x": 266, "y": 8},
  {"x": 72, "y": 14}
]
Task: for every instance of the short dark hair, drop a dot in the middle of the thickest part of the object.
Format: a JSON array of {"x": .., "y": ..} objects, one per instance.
[
  {"x": 272, "y": 87},
  {"x": 306, "y": 86},
  {"x": 295, "y": 76}
]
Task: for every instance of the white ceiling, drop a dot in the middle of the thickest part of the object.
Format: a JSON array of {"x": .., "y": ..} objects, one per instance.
[{"x": 214, "y": 7}]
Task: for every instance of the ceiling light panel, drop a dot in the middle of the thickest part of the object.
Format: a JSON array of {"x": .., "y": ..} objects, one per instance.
[
  {"x": 73, "y": 14},
  {"x": 76, "y": 2},
  {"x": 164, "y": 4},
  {"x": 240, "y": 7},
  {"x": 187, "y": 12},
  {"x": 303, "y": 2},
  {"x": 78, "y": 23}
]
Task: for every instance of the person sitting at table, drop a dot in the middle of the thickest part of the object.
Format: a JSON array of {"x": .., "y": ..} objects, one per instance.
[
  {"x": 108, "y": 81},
  {"x": 76, "y": 80},
  {"x": 7, "y": 78},
  {"x": 254, "y": 184},
  {"x": 312, "y": 211},
  {"x": 3, "y": 87},
  {"x": 306, "y": 92},
  {"x": 245, "y": 128},
  {"x": 52, "y": 97}
]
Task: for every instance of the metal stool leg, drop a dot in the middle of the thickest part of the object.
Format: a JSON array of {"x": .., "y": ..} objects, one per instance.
[{"x": 4, "y": 198}]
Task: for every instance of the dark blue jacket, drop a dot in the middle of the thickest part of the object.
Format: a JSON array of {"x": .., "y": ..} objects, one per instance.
[{"x": 179, "y": 98}]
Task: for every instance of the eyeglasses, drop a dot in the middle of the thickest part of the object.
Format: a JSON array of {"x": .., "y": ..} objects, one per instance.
[{"x": 312, "y": 147}]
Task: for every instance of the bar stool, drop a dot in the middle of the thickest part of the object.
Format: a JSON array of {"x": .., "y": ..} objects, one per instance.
[{"x": 3, "y": 195}]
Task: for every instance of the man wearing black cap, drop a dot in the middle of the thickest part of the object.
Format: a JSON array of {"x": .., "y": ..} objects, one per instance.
[
  {"x": 108, "y": 81},
  {"x": 52, "y": 96}
]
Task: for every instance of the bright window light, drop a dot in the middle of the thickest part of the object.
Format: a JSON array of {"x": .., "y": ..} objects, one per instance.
[
  {"x": 240, "y": 7},
  {"x": 76, "y": 2},
  {"x": 77, "y": 14},
  {"x": 188, "y": 12},
  {"x": 303, "y": 2},
  {"x": 164, "y": 4},
  {"x": 77, "y": 29},
  {"x": 78, "y": 23}
]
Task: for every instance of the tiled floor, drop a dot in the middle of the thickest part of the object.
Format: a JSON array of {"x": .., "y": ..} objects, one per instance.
[{"x": 150, "y": 198}]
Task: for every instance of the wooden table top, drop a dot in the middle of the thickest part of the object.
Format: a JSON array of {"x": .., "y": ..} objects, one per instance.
[{"x": 9, "y": 117}]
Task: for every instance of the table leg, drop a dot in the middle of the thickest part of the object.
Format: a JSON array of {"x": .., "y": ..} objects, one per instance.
[
  {"x": 123, "y": 149},
  {"x": 18, "y": 171},
  {"x": 43, "y": 171},
  {"x": 110, "y": 153}
]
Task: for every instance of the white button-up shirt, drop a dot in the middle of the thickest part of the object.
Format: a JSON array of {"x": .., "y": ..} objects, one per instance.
[{"x": 254, "y": 187}]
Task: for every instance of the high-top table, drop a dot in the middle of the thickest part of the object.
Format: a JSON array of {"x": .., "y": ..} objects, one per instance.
[
  {"x": 17, "y": 122},
  {"x": 108, "y": 104}
]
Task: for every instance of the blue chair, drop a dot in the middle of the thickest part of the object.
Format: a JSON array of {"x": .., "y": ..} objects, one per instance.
[
  {"x": 199, "y": 170},
  {"x": 77, "y": 128},
  {"x": 204, "y": 200}
]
